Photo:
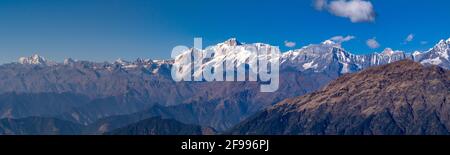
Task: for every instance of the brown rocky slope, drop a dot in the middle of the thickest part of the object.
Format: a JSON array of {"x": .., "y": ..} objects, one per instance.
[{"x": 402, "y": 98}]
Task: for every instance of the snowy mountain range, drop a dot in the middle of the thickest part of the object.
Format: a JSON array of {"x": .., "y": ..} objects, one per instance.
[
  {"x": 316, "y": 57},
  {"x": 438, "y": 55}
]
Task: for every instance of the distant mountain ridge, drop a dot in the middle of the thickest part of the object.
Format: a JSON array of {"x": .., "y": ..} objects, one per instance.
[
  {"x": 54, "y": 126},
  {"x": 233, "y": 49},
  {"x": 38, "y": 126},
  {"x": 159, "y": 126}
]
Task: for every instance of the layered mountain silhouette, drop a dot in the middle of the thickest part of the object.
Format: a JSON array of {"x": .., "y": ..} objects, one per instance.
[
  {"x": 53, "y": 126},
  {"x": 38, "y": 126},
  {"x": 159, "y": 126},
  {"x": 404, "y": 97},
  {"x": 92, "y": 94}
]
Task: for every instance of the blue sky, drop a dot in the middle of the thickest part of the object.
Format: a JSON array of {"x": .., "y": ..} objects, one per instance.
[{"x": 104, "y": 30}]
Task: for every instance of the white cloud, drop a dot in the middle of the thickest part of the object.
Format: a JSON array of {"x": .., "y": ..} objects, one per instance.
[
  {"x": 341, "y": 39},
  {"x": 373, "y": 43},
  {"x": 355, "y": 10},
  {"x": 409, "y": 38},
  {"x": 320, "y": 4},
  {"x": 289, "y": 43},
  {"x": 424, "y": 42}
]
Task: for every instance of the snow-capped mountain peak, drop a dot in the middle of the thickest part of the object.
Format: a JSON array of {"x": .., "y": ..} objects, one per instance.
[
  {"x": 232, "y": 42},
  {"x": 442, "y": 43},
  {"x": 415, "y": 54},
  {"x": 388, "y": 51},
  {"x": 328, "y": 42},
  {"x": 121, "y": 61},
  {"x": 232, "y": 52},
  {"x": 69, "y": 61},
  {"x": 33, "y": 60},
  {"x": 143, "y": 61},
  {"x": 438, "y": 55},
  {"x": 442, "y": 49}
]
